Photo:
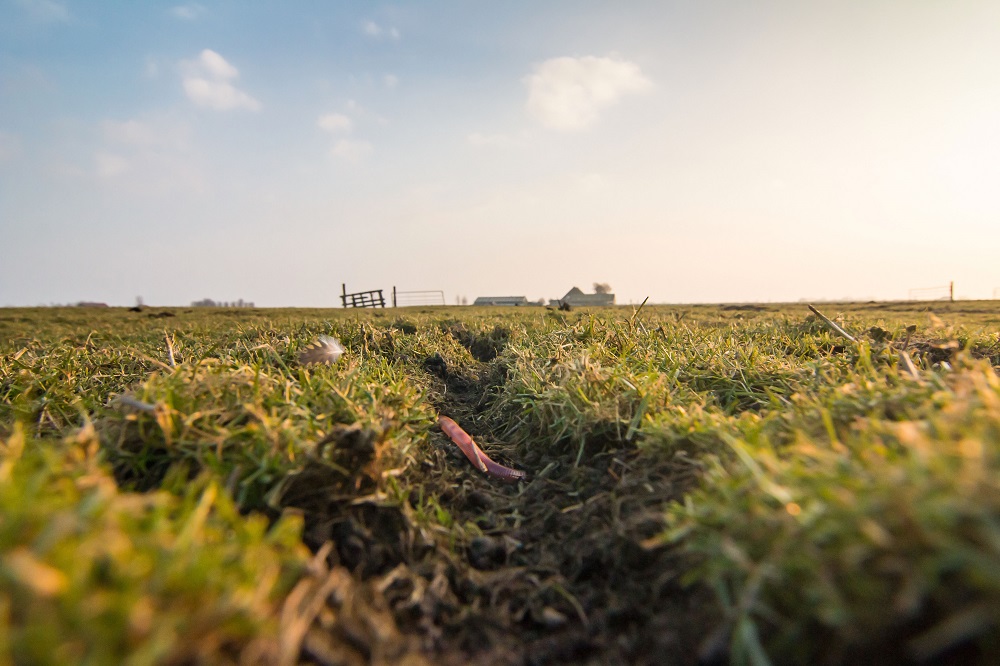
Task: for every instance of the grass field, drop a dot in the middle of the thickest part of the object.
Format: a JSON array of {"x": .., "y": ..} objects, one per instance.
[{"x": 718, "y": 483}]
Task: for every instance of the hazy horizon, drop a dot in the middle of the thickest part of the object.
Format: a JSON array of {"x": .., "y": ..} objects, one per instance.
[{"x": 687, "y": 151}]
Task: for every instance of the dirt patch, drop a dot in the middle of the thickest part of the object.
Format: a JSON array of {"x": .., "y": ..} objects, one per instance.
[
  {"x": 484, "y": 347},
  {"x": 570, "y": 577},
  {"x": 404, "y": 326},
  {"x": 559, "y": 572},
  {"x": 552, "y": 570}
]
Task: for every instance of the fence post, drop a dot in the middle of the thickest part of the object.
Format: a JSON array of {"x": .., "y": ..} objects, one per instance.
[
  {"x": 951, "y": 291},
  {"x": 343, "y": 294},
  {"x": 393, "y": 295}
]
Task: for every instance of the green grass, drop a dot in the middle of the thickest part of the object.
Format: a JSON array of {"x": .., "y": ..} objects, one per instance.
[
  {"x": 91, "y": 574},
  {"x": 842, "y": 508}
]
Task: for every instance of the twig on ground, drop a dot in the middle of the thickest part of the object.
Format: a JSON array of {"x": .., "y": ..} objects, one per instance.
[
  {"x": 129, "y": 401},
  {"x": 907, "y": 364},
  {"x": 829, "y": 322},
  {"x": 170, "y": 349}
]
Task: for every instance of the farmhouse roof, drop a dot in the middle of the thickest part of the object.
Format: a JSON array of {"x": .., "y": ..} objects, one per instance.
[{"x": 576, "y": 297}]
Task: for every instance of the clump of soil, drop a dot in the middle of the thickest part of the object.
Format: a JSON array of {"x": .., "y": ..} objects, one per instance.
[
  {"x": 484, "y": 347},
  {"x": 405, "y": 326},
  {"x": 436, "y": 365}
]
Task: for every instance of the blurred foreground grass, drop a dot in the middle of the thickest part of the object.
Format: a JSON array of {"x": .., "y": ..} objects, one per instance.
[{"x": 91, "y": 574}]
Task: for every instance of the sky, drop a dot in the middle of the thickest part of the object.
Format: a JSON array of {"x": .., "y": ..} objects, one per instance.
[{"x": 688, "y": 151}]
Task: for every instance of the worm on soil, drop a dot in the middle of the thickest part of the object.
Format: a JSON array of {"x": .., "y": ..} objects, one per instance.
[{"x": 476, "y": 455}]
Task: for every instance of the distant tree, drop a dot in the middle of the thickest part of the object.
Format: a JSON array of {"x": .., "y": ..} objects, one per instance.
[{"x": 602, "y": 288}]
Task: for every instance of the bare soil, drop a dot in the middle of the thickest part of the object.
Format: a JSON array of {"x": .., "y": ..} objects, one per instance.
[{"x": 561, "y": 573}]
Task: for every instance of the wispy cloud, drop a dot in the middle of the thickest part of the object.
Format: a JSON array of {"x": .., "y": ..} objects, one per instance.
[
  {"x": 390, "y": 81},
  {"x": 146, "y": 133},
  {"x": 334, "y": 122},
  {"x": 189, "y": 12},
  {"x": 351, "y": 150},
  {"x": 45, "y": 10},
  {"x": 151, "y": 155},
  {"x": 207, "y": 83},
  {"x": 568, "y": 94},
  {"x": 373, "y": 29},
  {"x": 217, "y": 66},
  {"x": 348, "y": 149},
  {"x": 109, "y": 165}
]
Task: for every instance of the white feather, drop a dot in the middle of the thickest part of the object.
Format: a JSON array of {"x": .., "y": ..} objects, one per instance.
[{"x": 326, "y": 350}]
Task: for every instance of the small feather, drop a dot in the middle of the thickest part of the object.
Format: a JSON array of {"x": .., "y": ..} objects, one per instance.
[{"x": 324, "y": 350}]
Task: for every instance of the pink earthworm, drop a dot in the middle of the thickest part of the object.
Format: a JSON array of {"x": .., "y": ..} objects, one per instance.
[{"x": 476, "y": 455}]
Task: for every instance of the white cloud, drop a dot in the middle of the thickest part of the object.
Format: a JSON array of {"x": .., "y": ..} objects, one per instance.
[
  {"x": 218, "y": 95},
  {"x": 373, "y": 29},
  {"x": 189, "y": 12},
  {"x": 390, "y": 80},
  {"x": 335, "y": 122},
  {"x": 568, "y": 94},
  {"x": 351, "y": 150},
  {"x": 45, "y": 10},
  {"x": 216, "y": 66},
  {"x": 109, "y": 165},
  {"x": 206, "y": 83}
]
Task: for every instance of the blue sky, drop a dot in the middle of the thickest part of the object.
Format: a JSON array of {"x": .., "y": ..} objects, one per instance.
[{"x": 686, "y": 151}]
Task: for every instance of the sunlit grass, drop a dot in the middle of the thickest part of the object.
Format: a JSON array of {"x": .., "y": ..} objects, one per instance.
[
  {"x": 91, "y": 574},
  {"x": 841, "y": 505}
]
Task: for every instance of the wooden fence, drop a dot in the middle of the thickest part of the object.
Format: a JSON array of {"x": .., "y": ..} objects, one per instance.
[{"x": 362, "y": 299}]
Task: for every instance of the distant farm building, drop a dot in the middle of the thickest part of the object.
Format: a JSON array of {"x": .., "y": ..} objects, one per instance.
[
  {"x": 576, "y": 297},
  {"x": 501, "y": 300}
]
